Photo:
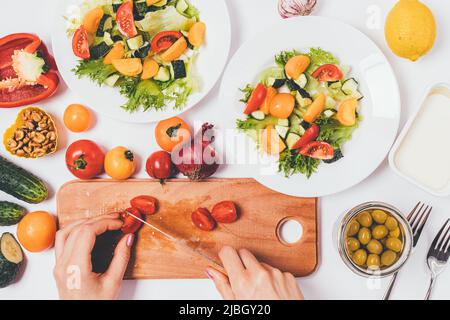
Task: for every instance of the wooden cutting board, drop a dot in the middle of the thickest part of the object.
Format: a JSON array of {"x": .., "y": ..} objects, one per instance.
[{"x": 261, "y": 212}]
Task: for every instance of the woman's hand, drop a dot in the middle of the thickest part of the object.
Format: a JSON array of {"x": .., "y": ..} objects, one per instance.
[
  {"x": 249, "y": 279},
  {"x": 73, "y": 269}
]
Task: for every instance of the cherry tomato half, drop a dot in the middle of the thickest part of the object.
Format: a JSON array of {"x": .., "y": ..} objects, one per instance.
[
  {"x": 225, "y": 212},
  {"x": 130, "y": 223},
  {"x": 164, "y": 40},
  {"x": 125, "y": 19},
  {"x": 85, "y": 159},
  {"x": 327, "y": 73},
  {"x": 145, "y": 204},
  {"x": 159, "y": 165},
  {"x": 203, "y": 220},
  {"x": 318, "y": 150},
  {"x": 80, "y": 44},
  {"x": 257, "y": 98},
  {"x": 310, "y": 135}
]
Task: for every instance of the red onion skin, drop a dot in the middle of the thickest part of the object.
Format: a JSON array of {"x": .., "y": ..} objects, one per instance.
[
  {"x": 192, "y": 155},
  {"x": 292, "y": 8}
]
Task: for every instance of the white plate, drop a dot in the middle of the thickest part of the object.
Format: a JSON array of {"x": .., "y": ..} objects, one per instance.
[
  {"x": 380, "y": 108},
  {"x": 210, "y": 63}
]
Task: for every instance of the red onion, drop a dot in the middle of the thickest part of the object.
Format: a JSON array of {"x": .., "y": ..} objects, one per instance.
[
  {"x": 197, "y": 159},
  {"x": 292, "y": 8}
]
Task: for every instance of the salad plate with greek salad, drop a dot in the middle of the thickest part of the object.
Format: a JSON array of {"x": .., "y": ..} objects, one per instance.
[
  {"x": 320, "y": 112},
  {"x": 141, "y": 60}
]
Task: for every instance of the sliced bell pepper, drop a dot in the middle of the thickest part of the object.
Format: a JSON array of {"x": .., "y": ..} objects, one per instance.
[{"x": 15, "y": 90}]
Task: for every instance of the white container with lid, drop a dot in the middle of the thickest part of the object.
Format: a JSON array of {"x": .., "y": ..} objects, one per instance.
[{"x": 421, "y": 154}]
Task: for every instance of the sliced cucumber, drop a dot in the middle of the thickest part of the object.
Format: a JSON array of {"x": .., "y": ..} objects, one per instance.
[
  {"x": 143, "y": 51},
  {"x": 335, "y": 85},
  {"x": 178, "y": 69},
  {"x": 163, "y": 74},
  {"x": 282, "y": 131},
  {"x": 112, "y": 80},
  {"x": 141, "y": 8},
  {"x": 107, "y": 38},
  {"x": 302, "y": 102},
  {"x": 182, "y": 6},
  {"x": 283, "y": 122},
  {"x": 329, "y": 113},
  {"x": 135, "y": 43},
  {"x": 350, "y": 88},
  {"x": 292, "y": 139},
  {"x": 258, "y": 115},
  {"x": 106, "y": 23},
  {"x": 99, "y": 50},
  {"x": 302, "y": 81}
]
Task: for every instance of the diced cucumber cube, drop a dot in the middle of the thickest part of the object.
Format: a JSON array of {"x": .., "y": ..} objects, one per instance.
[
  {"x": 135, "y": 43},
  {"x": 292, "y": 139},
  {"x": 282, "y": 131},
  {"x": 182, "y": 6},
  {"x": 283, "y": 122},
  {"x": 107, "y": 38},
  {"x": 329, "y": 113},
  {"x": 163, "y": 74},
  {"x": 258, "y": 115},
  {"x": 302, "y": 81},
  {"x": 303, "y": 102},
  {"x": 111, "y": 81},
  {"x": 350, "y": 86}
]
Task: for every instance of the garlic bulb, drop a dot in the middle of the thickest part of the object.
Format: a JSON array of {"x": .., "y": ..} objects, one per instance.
[{"x": 292, "y": 8}]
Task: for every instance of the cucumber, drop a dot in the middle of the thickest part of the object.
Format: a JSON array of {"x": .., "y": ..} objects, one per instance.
[
  {"x": 178, "y": 69},
  {"x": 278, "y": 83},
  {"x": 302, "y": 81},
  {"x": 295, "y": 125},
  {"x": 329, "y": 113},
  {"x": 302, "y": 102},
  {"x": 335, "y": 85},
  {"x": 292, "y": 139},
  {"x": 181, "y": 6},
  {"x": 99, "y": 50},
  {"x": 141, "y": 8},
  {"x": 112, "y": 80},
  {"x": 10, "y": 213},
  {"x": 161, "y": 3},
  {"x": 143, "y": 51},
  {"x": 20, "y": 183},
  {"x": 283, "y": 122},
  {"x": 350, "y": 88},
  {"x": 11, "y": 259},
  {"x": 107, "y": 39},
  {"x": 282, "y": 131},
  {"x": 106, "y": 23},
  {"x": 258, "y": 115},
  {"x": 163, "y": 74},
  {"x": 135, "y": 43}
]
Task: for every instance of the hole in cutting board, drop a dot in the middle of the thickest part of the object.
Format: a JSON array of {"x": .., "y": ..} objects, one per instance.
[{"x": 289, "y": 231}]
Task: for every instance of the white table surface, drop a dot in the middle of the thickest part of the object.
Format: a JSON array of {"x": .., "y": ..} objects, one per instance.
[{"x": 332, "y": 280}]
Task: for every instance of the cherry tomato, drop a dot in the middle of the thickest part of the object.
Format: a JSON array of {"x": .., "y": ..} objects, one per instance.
[
  {"x": 282, "y": 105},
  {"x": 203, "y": 220},
  {"x": 164, "y": 40},
  {"x": 318, "y": 150},
  {"x": 145, "y": 204},
  {"x": 310, "y": 135},
  {"x": 119, "y": 163},
  {"x": 125, "y": 19},
  {"x": 225, "y": 212},
  {"x": 171, "y": 132},
  {"x": 85, "y": 159},
  {"x": 159, "y": 165},
  {"x": 77, "y": 118},
  {"x": 328, "y": 73},
  {"x": 130, "y": 223},
  {"x": 256, "y": 99},
  {"x": 80, "y": 44}
]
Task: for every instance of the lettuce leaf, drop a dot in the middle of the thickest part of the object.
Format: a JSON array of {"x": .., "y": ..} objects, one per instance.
[
  {"x": 333, "y": 132},
  {"x": 291, "y": 163},
  {"x": 96, "y": 70},
  {"x": 145, "y": 93}
]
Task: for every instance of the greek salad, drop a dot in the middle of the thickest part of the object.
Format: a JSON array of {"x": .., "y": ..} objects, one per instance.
[
  {"x": 303, "y": 109},
  {"x": 145, "y": 48}
]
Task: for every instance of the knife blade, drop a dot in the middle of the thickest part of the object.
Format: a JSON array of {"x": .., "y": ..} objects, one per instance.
[{"x": 217, "y": 265}]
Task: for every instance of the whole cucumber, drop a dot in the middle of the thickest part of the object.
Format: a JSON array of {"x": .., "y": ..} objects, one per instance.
[{"x": 10, "y": 213}]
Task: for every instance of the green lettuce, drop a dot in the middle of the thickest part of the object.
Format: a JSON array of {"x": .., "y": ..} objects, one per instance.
[
  {"x": 333, "y": 132},
  {"x": 145, "y": 93},
  {"x": 95, "y": 70},
  {"x": 291, "y": 163}
]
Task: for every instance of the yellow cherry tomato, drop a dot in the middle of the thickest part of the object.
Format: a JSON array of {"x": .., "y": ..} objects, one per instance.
[
  {"x": 119, "y": 163},
  {"x": 77, "y": 118},
  {"x": 282, "y": 105}
]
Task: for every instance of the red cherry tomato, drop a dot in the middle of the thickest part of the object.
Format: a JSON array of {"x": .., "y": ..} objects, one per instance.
[
  {"x": 145, "y": 204},
  {"x": 130, "y": 224},
  {"x": 125, "y": 19},
  {"x": 328, "y": 73},
  {"x": 164, "y": 40},
  {"x": 203, "y": 220},
  {"x": 159, "y": 165},
  {"x": 225, "y": 212},
  {"x": 318, "y": 150},
  {"x": 310, "y": 135},
  {"x": 85, "y": 159},
  {"x": 256, "y": 99},
  {"x": 80, "y": 44}
]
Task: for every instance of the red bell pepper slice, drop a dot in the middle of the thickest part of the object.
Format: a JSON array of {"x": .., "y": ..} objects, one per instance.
[{"x": 13, "y": 93}]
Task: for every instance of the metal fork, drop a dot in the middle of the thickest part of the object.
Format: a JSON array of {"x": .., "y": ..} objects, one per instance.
[
  {"x": 417, "y": 220},
  {"x": 438, "y": 255}
]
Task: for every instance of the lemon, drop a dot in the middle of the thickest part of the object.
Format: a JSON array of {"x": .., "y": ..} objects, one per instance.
[{"x": 410, "y": 29}]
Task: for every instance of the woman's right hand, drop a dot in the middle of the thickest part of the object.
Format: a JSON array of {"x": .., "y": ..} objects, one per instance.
[{"x": 248, "y": 279}]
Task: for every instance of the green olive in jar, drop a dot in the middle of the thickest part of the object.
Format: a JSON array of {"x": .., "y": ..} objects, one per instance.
[
  {"x": 395, "y": 244},
  {"x": 379, "y": 216},
  {"x": 353, "y": 228},
  {"x": 395, "y": 233},
  {"x": 360, "y": 257},
  {"x": 364, "y": 236},
  {"x": 374, "y": 246},
  {"x": 391, "y": 223},
  {"x": 388, "y": 258},
  {"x": 353, "y": 244},
  {"x": 380, "y": 232},
  {"x": 365, "y": 219},
  {"x": 373, "y": 261}
]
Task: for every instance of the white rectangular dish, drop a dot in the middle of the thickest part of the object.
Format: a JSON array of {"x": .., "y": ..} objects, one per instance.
[{"x": 421, "y": 154}]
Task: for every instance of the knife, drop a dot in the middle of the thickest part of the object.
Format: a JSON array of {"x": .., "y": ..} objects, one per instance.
[{"x": 217, "y": 265}]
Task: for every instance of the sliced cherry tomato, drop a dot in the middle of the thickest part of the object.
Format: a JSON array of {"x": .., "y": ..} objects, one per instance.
[
  {"x": 225, "y": 212},
  {"x": 125, "y": 19},
  {"x": 203, "y": 220},
  {"x": 328, "y": 72},
  {"x": 85, "y": 159},
  {"x": 80, "y": 43},
  {"x": 256, "y": 99},
  {"x": 159, "y": 166},
  {"x": 130, "y": 223},
  {"x": 310, "y": 135},
  {"x": 318, "y": 150},
  {"x": 145, "y": 204},
  {"x": 164, "y": 40}
]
